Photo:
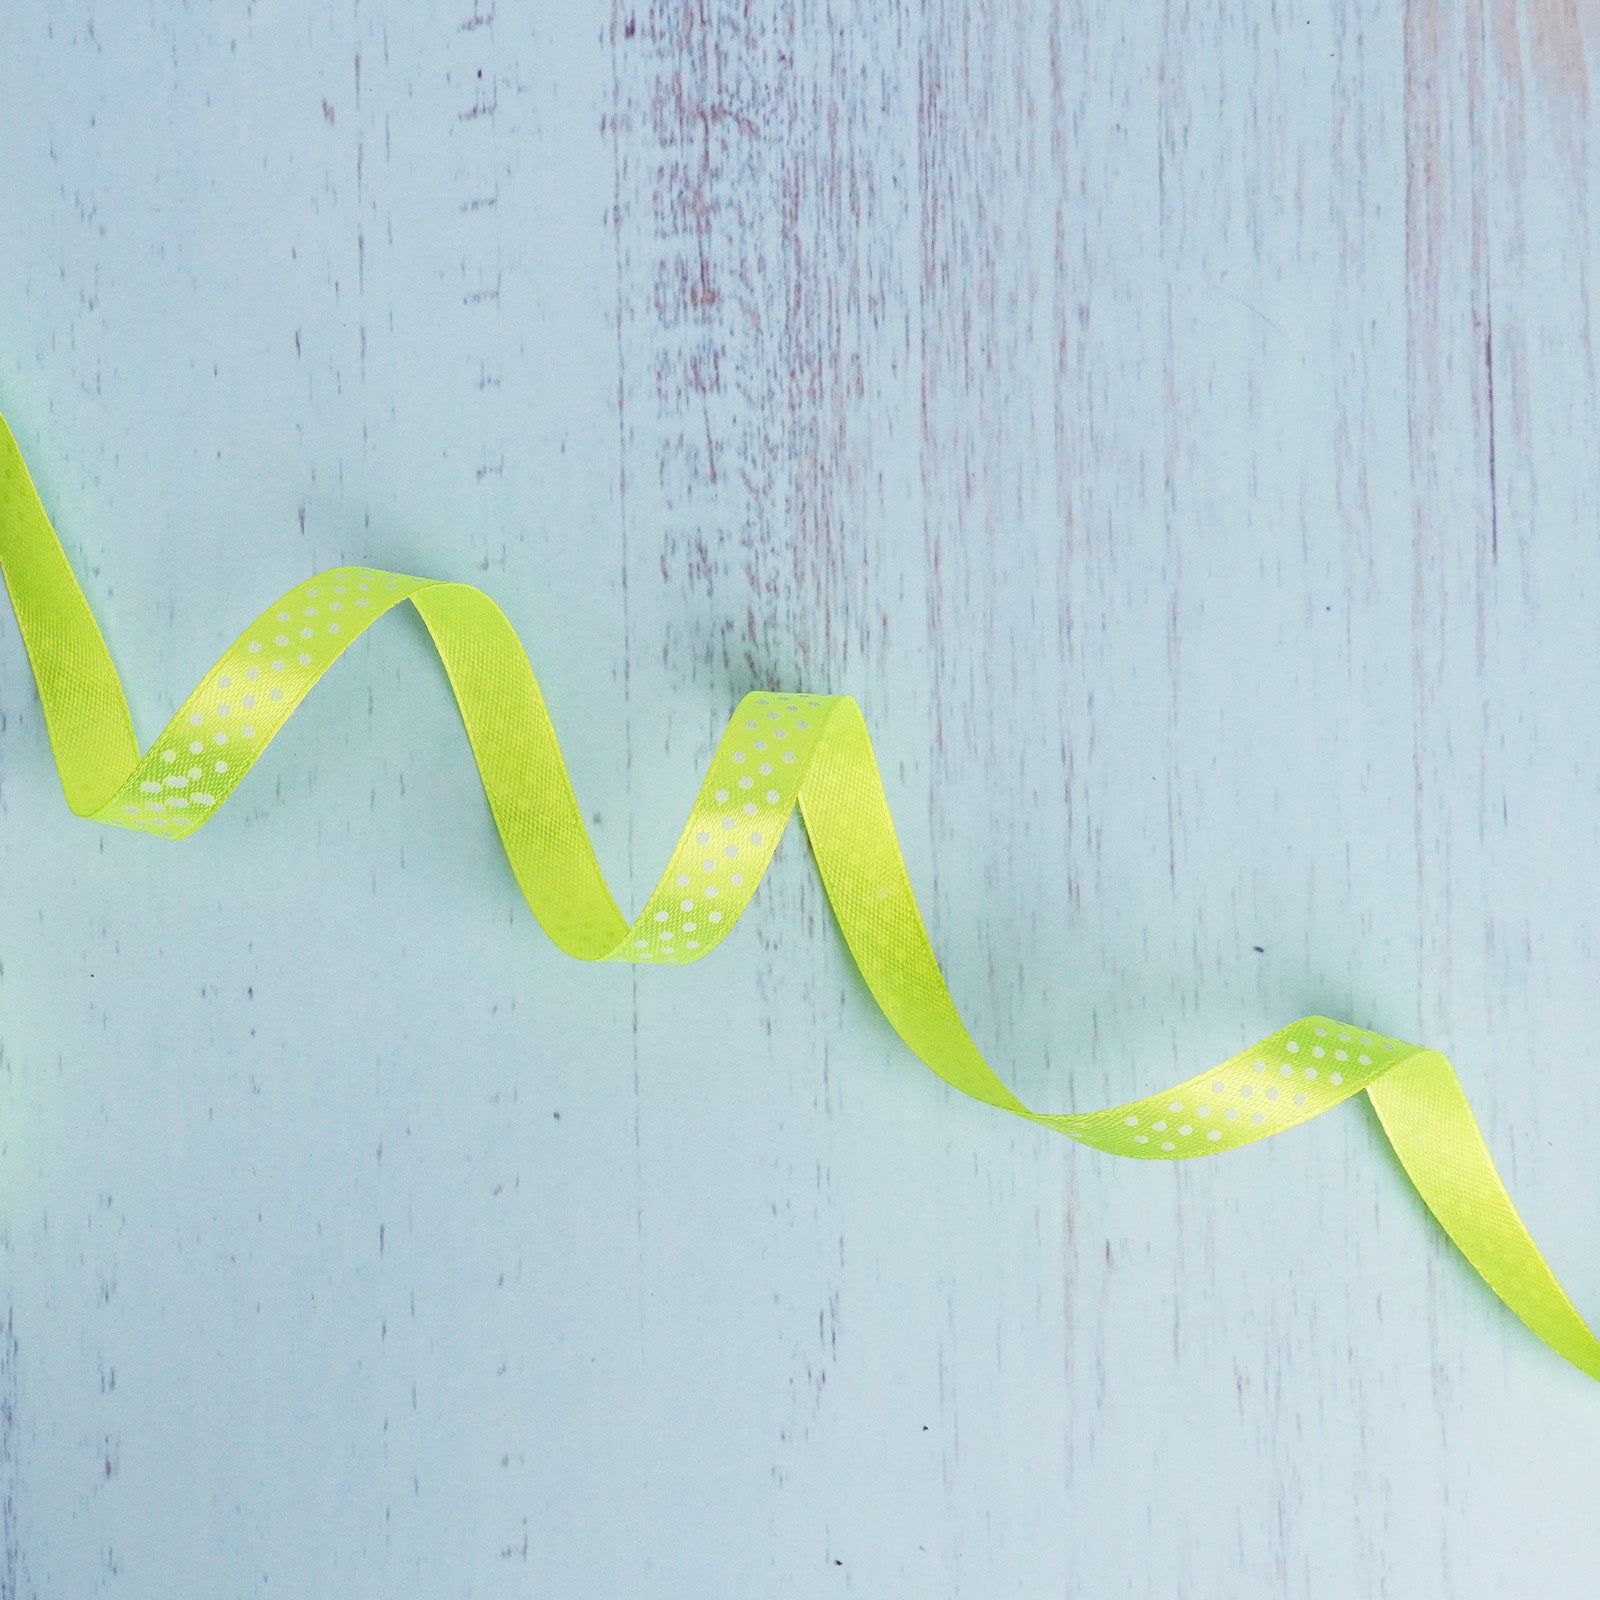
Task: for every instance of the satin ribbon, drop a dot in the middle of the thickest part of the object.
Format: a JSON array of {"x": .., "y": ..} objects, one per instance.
[{"x": 779, "y": 750}]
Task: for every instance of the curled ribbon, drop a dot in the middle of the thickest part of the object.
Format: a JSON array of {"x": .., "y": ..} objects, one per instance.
[{"x": 779, "y": 750}]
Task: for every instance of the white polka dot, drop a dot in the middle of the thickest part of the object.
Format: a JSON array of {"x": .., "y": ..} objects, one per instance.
[
  {"x": 772, "y": 797},
  {"x": 195, "y": 719},
  {"x": 1291, "y": 1047},
  {"x": 169, "y": 755},
  {"x": 1131, "y": 1122},
  {"x": 716, "y": 916},
  {"x": 1336, "y": 1077},
  {"x": 1140, "y": 1138},
  {"x": 255, "y": 647},
  {"x": 195, "y": 748},
  {"x": 1216, "y": 1133},
  {"x": 1166, "y": 1144}
]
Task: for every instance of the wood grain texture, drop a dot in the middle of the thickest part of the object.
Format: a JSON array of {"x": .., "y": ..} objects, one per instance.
[{"x": 1175, "y": 424}]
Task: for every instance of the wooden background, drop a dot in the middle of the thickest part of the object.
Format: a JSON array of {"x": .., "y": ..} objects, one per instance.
[{"x": 1176, "y": 424}]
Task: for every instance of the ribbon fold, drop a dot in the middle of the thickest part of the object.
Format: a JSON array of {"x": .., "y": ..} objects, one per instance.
[{"x": 779, "y": 750}]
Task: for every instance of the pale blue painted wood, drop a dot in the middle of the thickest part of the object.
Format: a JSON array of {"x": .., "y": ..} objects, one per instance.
[{"x": 1175, "y": 426}]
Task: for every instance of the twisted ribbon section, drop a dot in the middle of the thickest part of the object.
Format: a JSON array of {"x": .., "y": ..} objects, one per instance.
[{"x": 778, "y": 751}]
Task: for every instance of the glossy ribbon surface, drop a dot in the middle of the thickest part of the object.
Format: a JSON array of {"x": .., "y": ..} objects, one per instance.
[{"x": 779, "y": 750}]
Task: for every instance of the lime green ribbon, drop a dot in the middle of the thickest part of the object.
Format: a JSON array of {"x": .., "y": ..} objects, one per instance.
[{"x": 778, "y": 750}]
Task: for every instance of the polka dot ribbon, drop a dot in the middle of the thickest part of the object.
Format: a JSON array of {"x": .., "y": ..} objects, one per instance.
[{"x": 779, "y": 750}]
